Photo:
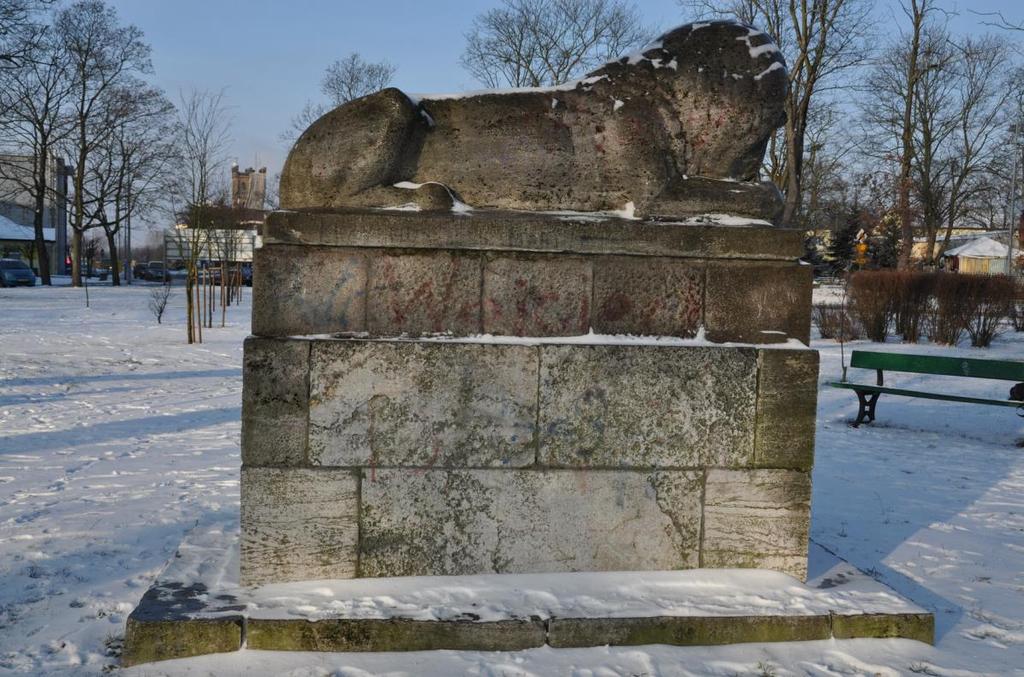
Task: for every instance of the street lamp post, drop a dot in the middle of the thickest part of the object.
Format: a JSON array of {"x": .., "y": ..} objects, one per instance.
[{"x": 1017, "y": 156}]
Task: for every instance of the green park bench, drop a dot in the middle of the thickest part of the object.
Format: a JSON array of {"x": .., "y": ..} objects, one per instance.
[{"x": 1002, "y": 370}]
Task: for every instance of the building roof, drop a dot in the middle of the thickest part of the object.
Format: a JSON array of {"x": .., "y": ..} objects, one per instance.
[
  {"x": 11, "y": 230},
  {"x": 980, "y": 248}
]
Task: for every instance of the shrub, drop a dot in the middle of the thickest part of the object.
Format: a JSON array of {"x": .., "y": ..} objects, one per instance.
[
  {"x": 872, "y": 301},
  {"x": 912, "y": 303},
  {"x": 1017, "y": 311},
  {"x": 949, "y": 315},
  {"x": 834, "y": 322},
  {"x": 990, "y": 300},
  {"x": 158, "y": 297}
]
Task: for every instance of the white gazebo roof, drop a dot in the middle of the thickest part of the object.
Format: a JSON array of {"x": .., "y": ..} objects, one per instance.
[{"x": 980, "y": 248}]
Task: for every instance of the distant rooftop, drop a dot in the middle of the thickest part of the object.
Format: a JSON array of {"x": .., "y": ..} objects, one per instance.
[{"x": 11, "y": 230}]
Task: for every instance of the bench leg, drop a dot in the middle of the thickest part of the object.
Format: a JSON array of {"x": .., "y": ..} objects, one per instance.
[{"x": 867, "y": 407}]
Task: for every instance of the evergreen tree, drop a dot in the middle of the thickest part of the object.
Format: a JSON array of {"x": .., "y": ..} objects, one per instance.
[
  {"x": 885, "y": 242},
  {"x": 841, "y": 246}
]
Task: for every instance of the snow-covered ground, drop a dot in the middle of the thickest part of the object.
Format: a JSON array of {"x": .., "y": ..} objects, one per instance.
[{"x": 116, "y": 438}]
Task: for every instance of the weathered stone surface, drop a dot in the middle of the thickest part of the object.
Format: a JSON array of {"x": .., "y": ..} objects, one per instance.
[
  {"x": 169, "y": 622},
  {"x": 537, "y": 296},
  {"x": 417, "y": 523},
  {"x": 685, "y": 630},
  {"x": 920, "y": 627},
  {"x": 495, "y": 230},
  {"x": 437, "y": 292},
  {"x": 758, "y": 303},
  {"x": 646, "y": 406},
  {"x": 275, "y": 401},
  {"x": 404, "y": 403},
  {"x": 757, "y": 518},
  {"x": 787, "y": 406},
  {"x": 298, "y": 524},
  {"x": 647, "y": 296},
  {"x": 302, "y": 290},
  {"x": 393, "y": 634},
  {"x": 698, "y": 102},
  {"x": 161, "y": 640}
]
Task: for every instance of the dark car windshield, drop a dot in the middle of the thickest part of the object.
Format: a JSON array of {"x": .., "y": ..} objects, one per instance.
[{"x": 12, "y": 264}]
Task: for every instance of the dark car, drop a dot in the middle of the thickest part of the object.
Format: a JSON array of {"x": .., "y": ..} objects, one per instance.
[
  {"x": 155, "y": 272},
  {"x": 16, "y": 272}
]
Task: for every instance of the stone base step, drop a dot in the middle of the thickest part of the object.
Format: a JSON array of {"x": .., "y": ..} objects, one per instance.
[{"x": 197, "y": 607}]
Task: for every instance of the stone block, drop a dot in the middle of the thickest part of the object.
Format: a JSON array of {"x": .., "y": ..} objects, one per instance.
[
  {"x": 393, "y": 634},
  {"x": 647, "y": 296},
  {"x": 754, "y": 302},
  {"x": 308, "y": 290},
  {"x": 920, "y": 627},
  {"x": 424, "y": 293},
  {"x": 275, "y": 401},
  {"x": 685, "y": 630},
  {"x": 647, "y": 406},
  {"x": 537, "y": 295},
  {"x": 508, "y": 230},
  {"x": 146, "y": 641},
  {"x": 757, "y": 518},
  {"x": 417, "y": 523},
  {"x": 787, "y": 408},
  {"x": 426, "y": 404},
  {"x": 298, "y": 524}
]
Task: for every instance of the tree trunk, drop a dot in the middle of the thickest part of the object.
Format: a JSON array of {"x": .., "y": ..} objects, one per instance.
[
  {"x": 37, "y": 219},
  {"x": 76, "y": 258},
  {"x": 907, "y": 141},
  {"x": 223, "y": 293},
  {"x": 930, "y": 252},
  {"x": 794, "y": 170},
  {"x": 189, "y": 308},
  {"x": 115, "y": 259}
]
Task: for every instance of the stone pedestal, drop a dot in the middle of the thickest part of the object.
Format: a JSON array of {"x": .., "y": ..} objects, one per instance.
[{"x": 441, "y": 394}]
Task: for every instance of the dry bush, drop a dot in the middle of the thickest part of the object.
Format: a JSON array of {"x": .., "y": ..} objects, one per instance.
[
  {"x": 1017, "y": 314},
  {"x": 835, "y": 322},
  {"x": 949, "y": 315},
  {"x": 158, "y": 298},
  {"x": 913, "y": 300},
  {"x": 873, "y": 301},
  {"x": 990, "y": 300}
]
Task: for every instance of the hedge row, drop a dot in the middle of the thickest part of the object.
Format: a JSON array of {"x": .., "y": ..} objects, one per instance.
[{"x": 941, "y": 306}]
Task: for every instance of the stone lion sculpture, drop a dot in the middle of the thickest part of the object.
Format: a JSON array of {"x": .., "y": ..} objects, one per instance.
[{"x": 676, "y": 130}]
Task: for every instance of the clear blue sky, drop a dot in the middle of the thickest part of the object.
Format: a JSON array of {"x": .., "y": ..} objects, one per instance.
[{"x": 270, "y": 54}]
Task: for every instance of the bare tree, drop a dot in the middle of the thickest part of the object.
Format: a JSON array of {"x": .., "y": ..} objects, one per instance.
[
  {"x": 352, "y": 77},
  {"x": 20, "y": 30},
  {"x": 344, "y": 80},
  {"x": 821, "y": 41},
  {"x": 103, "y": 56},
  {"x": 195, "y": 192},
  {"x": 534, "y": 43},
  {"x": 33, "y": 122},
  {"x": 934, "y": 120},
  {"x": 130, "y": 160},
  {"x": 982, "y": 93},
  {"x": 158, "y": 298},
  {"x": 917, "y": 12}
]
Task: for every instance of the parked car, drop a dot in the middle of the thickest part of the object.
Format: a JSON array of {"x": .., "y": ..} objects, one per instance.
[
  {"x": 15, "y": 272},
  {"x": 154, "y": 271}
]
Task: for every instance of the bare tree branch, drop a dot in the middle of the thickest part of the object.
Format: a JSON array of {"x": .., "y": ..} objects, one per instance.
[{"x": 534, "y": 43}]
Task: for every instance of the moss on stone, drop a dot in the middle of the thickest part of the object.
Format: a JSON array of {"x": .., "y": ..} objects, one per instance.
[{"x": 148, "y": 641}]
